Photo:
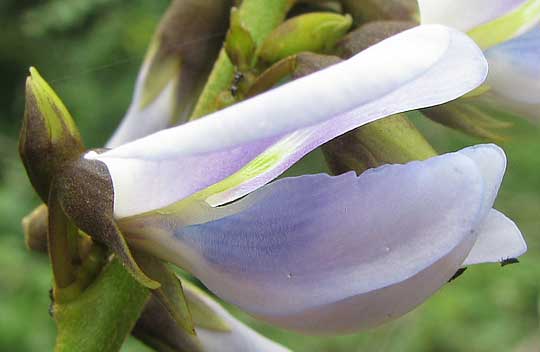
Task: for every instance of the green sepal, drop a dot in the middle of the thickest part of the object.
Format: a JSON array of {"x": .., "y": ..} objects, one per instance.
[
  {"x": 62, "y": 246},
  {"x": 86, "y": 194},
  {"x": 49, "y": 137},
  {"x": 316, "y": 32},
  {"x": 103, "y": 315},
  {"x": 506, "y": 27},
  {"x": 170, "y": 294},
  {"x": 370, "y": 34},
  {"x": 239, "y": 43},
  {"x": 464, "y": 116},
  {"x": 158, "y": 330},
  {"x": 374, "y": 10}
]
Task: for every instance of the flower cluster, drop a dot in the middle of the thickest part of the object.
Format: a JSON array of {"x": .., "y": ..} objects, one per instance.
[{"x": 316, "y": 253}]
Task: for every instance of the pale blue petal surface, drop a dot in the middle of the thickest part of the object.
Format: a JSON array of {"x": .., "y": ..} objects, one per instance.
[
  {"x": 326, "y": 254},
  {"x": 514, "y": 68},
  {"x": 465, "y": 14}
]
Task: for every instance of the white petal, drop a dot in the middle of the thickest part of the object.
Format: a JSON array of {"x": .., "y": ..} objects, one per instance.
[
  {"x": 326, "y": 254},
  {"x": 499, "y": 238},
  {"x": 241, "y": 338},
  {"x": 139, "y": 122},
  {"x": 465, "y": 14},
  {"x": 169, "y": 165}
]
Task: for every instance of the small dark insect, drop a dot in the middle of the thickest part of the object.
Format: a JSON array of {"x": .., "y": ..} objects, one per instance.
[
  {"x": 238, "y": 77},
  {"x": 457, "y": 274},
  {"x": 234, "y": 90},
  {"x": 509, "y": 261}
]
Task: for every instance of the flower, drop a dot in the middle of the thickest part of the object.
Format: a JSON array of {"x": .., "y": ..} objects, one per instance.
[
  {"x": 509, "y": 33},
  {"x": 316, "y": 253}
]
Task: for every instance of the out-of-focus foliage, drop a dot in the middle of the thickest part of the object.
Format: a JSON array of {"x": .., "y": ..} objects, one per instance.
[{"x": 90, "y": 51}]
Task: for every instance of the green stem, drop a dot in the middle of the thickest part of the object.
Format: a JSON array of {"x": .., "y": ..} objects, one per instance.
[
  {"x": 391, "y": 140},
  {"x": 259, "y": 17},
  {"x": 103, "y": 315}
]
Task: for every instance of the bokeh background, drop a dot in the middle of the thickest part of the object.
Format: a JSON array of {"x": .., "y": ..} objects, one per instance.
[{"x": 90, "y": 51}]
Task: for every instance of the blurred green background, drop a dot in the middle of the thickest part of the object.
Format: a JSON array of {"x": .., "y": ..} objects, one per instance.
[{"x": 90, "y": 51}]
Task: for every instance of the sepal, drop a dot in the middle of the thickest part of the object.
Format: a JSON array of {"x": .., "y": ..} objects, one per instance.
[
  {"x": 86, "y": 194},
  {"x": 170, "y": 294}
]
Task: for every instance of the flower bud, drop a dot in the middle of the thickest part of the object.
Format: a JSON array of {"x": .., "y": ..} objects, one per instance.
[
  {"x": 391, "y": 140},
  {"x": 35, "y": 229},
  {"x": 464, "y": 116},
  {"x": 370, "y": 34},
  {"x": 183, "y": 48},
  {"x": 239, "y": 43},
  {"x": 374, "y": 10},
  {"x": 316, "y": 32},
  {"x": 49, "y": 136}
]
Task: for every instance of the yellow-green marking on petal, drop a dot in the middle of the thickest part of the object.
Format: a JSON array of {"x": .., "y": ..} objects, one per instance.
[{"x": 508, "y": 26}]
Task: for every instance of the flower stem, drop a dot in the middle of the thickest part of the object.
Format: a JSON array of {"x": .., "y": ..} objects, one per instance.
[
  {"x": 391, "y": 140},
  {"x": 103, "y": 315}
]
